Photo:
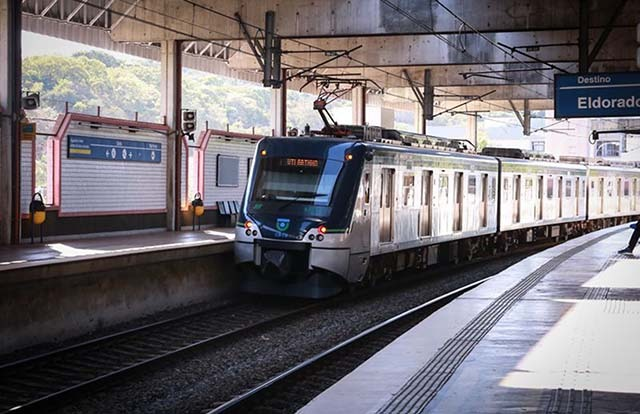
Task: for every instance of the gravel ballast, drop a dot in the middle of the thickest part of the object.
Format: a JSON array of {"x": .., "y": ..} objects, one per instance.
[{"x": 207, "y": 378}]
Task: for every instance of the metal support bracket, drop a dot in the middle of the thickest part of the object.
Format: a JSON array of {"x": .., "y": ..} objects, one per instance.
[{"x": 524, "y": 119}]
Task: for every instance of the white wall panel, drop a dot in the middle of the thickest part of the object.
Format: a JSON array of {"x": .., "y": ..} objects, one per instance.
[
  {"x": 243, "y": 149},
  {"x": 89, "y": 186},
  {"x": 26, "y": 175}
]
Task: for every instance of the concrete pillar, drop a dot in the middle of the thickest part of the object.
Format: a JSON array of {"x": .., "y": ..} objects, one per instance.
[
  {"x": 358, "y": 106},
  {"x": 418, "y": 119},
  {"x": 278, "y": 108},
  {"x": 10, "y": 93},
  {"x": 472, "y": 130},
  {"x": 387, "y": 118},
  {"x": 171, "y": 105}
]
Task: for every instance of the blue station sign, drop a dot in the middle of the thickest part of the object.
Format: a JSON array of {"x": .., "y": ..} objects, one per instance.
[
  {"x": 597, "y": 95},
  {"x": 108, "y": 149}
]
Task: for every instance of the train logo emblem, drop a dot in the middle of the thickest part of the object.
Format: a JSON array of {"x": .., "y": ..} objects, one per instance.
[{"x": 282, "y": 224}]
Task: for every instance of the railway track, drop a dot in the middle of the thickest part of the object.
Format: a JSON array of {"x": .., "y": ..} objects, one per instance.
[
  {"x": 62, "y": 376},
  {"x": 48, "y": 380},
  {"x": 292, "y": 389}
]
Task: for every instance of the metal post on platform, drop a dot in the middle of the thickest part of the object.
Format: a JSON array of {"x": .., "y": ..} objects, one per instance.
[{"x": 10, "y": 96}]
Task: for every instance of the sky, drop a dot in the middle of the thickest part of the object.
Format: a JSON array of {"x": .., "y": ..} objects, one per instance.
[{"x": 34, "y": 44}]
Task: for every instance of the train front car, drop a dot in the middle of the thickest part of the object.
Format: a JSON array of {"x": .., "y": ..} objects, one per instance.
[{"x": 292, "y": 233}]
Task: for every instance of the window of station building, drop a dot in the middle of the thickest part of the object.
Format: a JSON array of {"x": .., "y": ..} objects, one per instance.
[
  {"x": 443, "y": 187},
  {"x": 408, "y": 190},
  {"x": 550, "y": 187},
  {"x": 568, "y": 188},
  {"x": 537, "y": 146},
  {"x": 608, "y": 149},
  {"x": 471, "y": 187}
]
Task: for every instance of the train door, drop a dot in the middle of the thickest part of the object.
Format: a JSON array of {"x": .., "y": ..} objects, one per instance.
[
  {"x": 425, "y": 203},
  {"x": 457, "y": 208},
  {"x": 484, "y": 205},
  {"x": 516, "y": 198},
  {"x": 619, "y": 194},
  {"x": 539, "y": 201},
  {"x": 601, "y": 196},
  {"x": 386, "y": 204},
  {"x": 560, "y": 182},
  {"x": 634, "y": 192}
]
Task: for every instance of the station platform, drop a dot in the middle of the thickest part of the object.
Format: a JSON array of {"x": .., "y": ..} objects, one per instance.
[
  {"x": 134, "y": 248},
  {"x": 58, "y": 290},
  {"x": 558, "y": 332}
]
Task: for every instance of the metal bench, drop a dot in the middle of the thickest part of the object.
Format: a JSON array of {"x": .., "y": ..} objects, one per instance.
[{"x": 227, "y": 211}]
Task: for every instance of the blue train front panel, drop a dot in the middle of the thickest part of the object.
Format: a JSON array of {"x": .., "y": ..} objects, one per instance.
[{"x": 292, "y": 229}]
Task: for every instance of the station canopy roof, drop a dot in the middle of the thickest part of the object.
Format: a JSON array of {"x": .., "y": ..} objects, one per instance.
[{"x": 483, "y": 51}]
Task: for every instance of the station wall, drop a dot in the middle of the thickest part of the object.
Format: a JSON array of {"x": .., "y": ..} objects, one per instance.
[
  {"x": 104, "y": 175},
  {"x": 101, "y": 176}
]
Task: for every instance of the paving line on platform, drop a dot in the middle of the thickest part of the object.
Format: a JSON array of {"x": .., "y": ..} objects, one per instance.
[{"x": 422, "y": 388}]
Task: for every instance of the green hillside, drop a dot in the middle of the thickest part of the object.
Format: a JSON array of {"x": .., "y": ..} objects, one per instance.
[{"x": 122, "y": 88}]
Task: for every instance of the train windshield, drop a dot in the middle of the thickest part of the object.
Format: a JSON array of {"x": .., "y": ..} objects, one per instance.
[{"x": 296, "y": 181}]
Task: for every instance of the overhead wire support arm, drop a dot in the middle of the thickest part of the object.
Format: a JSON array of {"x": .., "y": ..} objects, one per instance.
[
  {"x": 338, "y": 56},
  {"x": 477, "y": 98},
  {"x": 605, "y": 33},
  {"x": 252, "y": 43},
  {"x": 414, "y": 88},
  {"x": 515, "y": 50}
]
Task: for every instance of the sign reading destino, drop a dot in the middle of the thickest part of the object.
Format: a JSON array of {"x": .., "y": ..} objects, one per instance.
[
  {"x": 597, "y": 95},
  {"x": 113, "y": 149}
]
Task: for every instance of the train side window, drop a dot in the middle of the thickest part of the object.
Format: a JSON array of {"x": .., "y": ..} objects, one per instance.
[
  {"x": 471, "y": 187},
  {"x": 443, "y": 187},
  {"x": 626, "y": 188},
  {"x": 492, "y": 196},
  {"x": 408, "y": 190},
  {"x": 367, "y": 188},
  {"x": 528, "y": 189},
  {"x": 505, "y": 188},
  {"x": 550, "y": 187}
]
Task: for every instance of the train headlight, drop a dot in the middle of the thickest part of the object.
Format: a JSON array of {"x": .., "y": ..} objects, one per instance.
[
  {"x": 247, "y": 232},
  {"x": 248, "y": 224},
  {"x": 255, "y": 232},
  {"x": 312, "y": 237},
  {"x": 322, "y": 229},
  {"x": 348, "y": 157},
  {"x": 263, "y": 152},
  {"x": 320, "y": 237}
]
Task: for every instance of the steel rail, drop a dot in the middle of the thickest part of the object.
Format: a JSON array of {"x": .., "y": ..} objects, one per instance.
[
  {"x": 239, "y": 403},
  {"x": 134, "y": 357}
]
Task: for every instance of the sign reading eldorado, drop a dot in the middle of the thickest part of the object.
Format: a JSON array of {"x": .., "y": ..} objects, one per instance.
[
  {"x": 597, "y": 95},
  {"x": 108, "y": 149}
]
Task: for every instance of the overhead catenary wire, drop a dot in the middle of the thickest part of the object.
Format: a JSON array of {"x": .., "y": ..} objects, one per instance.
[{"x": 239, "y": 50}]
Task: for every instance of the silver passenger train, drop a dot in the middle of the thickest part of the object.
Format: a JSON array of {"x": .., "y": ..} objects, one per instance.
[{"x": 322, "y": 213}]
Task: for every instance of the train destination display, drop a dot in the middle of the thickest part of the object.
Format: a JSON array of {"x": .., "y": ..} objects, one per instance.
[
  {"x": 108, "y": 149},
  {"x": 597, "y": 95}
]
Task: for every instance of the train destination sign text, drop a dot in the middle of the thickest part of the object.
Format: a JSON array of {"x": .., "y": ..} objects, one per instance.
[
  {"x": 597, "y": 95},
  {"x": 108, "y": 149}
]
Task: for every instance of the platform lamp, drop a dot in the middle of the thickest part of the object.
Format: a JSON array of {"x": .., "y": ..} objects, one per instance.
[
  {"x": 37, "y": 214},
  {"x": 197, "y": 209}
]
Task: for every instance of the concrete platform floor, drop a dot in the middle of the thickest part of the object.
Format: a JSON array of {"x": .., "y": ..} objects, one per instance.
[
  {"x": 29, "y": 255},
  {"x": 558, "y": 332}
]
